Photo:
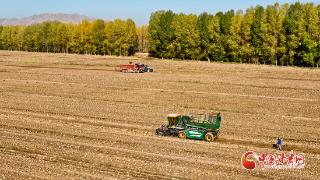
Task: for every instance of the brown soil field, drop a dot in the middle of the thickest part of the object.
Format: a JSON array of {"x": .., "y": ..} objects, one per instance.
[{"x": 75, "y": 117}]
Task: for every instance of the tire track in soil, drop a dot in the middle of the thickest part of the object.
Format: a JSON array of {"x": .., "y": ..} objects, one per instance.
[
  {"x": 62, "y": 68},
  {"x": 160, "y": 105},
  {"x": 290, "y": 79},
  {"x": 132, "y": 139},
  {"x": 38, "y": 159},
  {"x": 15, "y": 174},
  {"x": 115, "y": 122},
  {"x": 133, "y": 154},
  {"x": 152, "y": 104},
  {"x": 186, "y": 91},
  {"x": 200, "y": 163}
]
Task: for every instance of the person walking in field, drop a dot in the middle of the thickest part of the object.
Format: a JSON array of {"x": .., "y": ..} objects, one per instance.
[{"x": 279, "y": 143}]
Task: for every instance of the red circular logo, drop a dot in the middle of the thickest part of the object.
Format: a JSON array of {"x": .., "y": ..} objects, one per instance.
[{"x": 247, "y": 162}]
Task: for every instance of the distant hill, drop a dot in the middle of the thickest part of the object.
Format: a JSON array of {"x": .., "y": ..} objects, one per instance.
[{"x": 67, "y": 18}]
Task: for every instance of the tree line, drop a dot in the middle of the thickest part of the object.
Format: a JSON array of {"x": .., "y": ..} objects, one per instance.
[
  {"x": 277, "y": 34},
  {"x": 286, "y": 34},
  {"x": 118, "y": 37}
]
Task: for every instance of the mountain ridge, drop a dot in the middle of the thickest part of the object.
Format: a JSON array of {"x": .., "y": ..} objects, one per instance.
[{"x": 62, "y": 17}]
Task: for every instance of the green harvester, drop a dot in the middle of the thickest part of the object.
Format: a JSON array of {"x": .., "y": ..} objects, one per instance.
[{"x": 192, "y": 126}]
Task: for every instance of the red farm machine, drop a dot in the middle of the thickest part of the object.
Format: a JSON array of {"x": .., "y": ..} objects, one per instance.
[{"x": 135, "y": 68}]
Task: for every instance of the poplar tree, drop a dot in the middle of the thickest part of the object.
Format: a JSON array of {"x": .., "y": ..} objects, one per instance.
[
  {"x": 256, "y": 31},
  {"x": 233, "y": 42},
  {"x": 186, "y": 43},
  {"x": 98, "y": 36},
  {"x": 1, "y": 41},
  {"x": 246, "y": 49},
  {"x": 142, "y": 33}
]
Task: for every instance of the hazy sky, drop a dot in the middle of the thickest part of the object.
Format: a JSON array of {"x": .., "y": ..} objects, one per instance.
[{"x": 138, "y": 10}]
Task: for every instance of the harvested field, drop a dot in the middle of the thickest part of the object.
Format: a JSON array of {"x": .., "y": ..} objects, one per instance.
[{"x": 75, "y": 117}]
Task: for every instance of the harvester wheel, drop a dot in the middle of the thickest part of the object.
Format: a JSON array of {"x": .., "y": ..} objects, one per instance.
[
  {"x": 209, "y": 137},
  {"x": 182, "y": 135}
]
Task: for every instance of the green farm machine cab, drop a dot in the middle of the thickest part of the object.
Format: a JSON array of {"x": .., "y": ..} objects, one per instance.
[{"x": 192, "y": 126}]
